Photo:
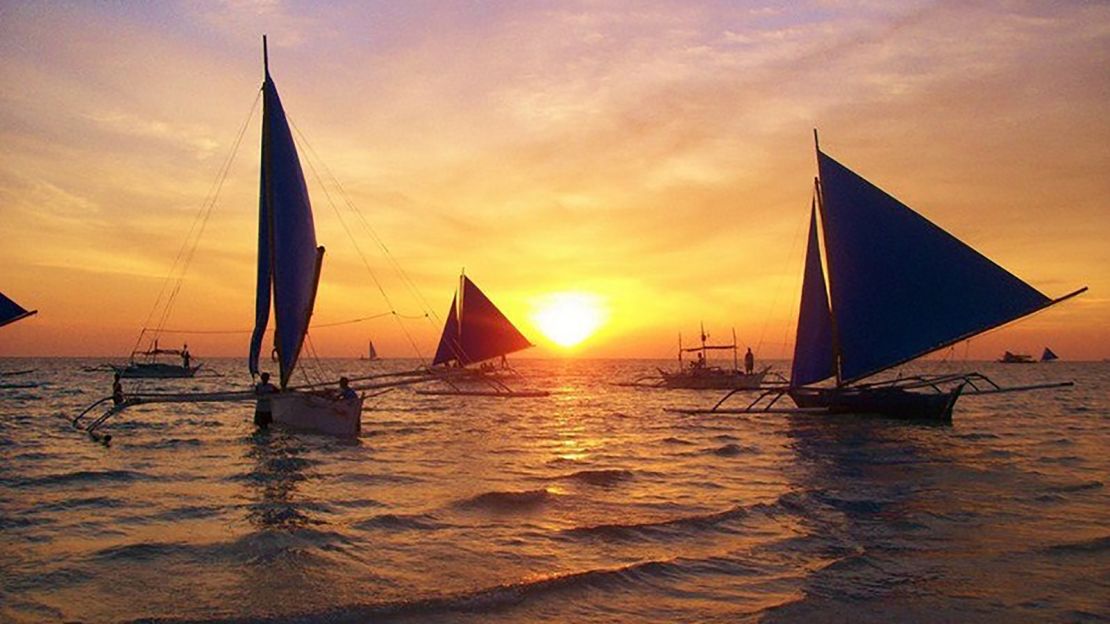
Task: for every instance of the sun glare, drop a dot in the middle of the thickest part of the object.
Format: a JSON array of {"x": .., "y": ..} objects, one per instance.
[{"x": 568, "y": 318}]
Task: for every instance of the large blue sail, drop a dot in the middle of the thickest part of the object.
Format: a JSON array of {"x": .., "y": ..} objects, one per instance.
[
  {"x": 11, "y": 311},
  {"x": 814, "y": 358},
  {"x": 294, "y": 258},
  {"x": 900, "y": 286}
]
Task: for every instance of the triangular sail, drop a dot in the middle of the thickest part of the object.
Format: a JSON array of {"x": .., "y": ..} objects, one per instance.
[
  {"x": 11, "y": 311},
  {"x": 289, "y": 260},
  {"x": 478, "y": 331},
  {"x": 449, "y": 340},
  {"x": 1048, "y": 355},
  {"x": 814, "y": 359},
  {"x": 900, "y": 286},
  {"x": 373, "y": 353}
]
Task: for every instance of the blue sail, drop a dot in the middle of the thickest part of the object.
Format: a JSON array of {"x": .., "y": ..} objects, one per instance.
[
  {"x": 11, "y": 311},
  {"x": 265, "y": 277},
  {"x": 900, "y": 286},
  {"x": 285, "y": 221},
  {"x": 449, "y": 341},
  {"x": 814, "y": 358}
]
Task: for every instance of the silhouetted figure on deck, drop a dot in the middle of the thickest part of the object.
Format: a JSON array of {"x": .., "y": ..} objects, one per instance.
[
  {"x": 263, "y": 409},
  {"x": 749, "y": 361},
  {"x": 117, "y": 390},
  {"x": 185, "y": 357},
  {"x": 346, "y": 393}
]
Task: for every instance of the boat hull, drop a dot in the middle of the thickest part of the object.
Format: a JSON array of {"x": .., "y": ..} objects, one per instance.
[
  {"x": 886, "y": 402},
  {"x": 317, "y": 413},
  {"x": 712, "y": 379},
  {"x": 156, "y": 371}
]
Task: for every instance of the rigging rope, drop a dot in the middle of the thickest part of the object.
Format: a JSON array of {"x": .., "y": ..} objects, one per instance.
[
  {"x": 192, "y": 239},
  {"x": 362, "y": 256},
  {"x": 361, "y": 319}
]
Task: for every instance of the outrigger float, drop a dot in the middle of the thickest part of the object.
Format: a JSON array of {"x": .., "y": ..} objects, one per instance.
[{"x": 898, "y": 287}]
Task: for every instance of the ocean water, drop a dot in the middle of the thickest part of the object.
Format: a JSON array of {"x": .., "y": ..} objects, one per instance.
[{"x": 592, "y": 504}]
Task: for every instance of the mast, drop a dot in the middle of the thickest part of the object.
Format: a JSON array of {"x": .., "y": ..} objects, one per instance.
[{"x": 735, "y": 355}]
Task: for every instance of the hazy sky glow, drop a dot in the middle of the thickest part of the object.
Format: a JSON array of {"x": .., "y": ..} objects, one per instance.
[{"x": 655, "y": 157}]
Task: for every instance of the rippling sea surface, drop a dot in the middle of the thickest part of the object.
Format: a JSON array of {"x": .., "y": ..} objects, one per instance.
[{"x": 592, "y": 504}]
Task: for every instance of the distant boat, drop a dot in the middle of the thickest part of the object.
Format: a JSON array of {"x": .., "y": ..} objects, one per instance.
[
  {"x": 898, "y": 288},
  {"x": 11, "y": 311},
  {"x": 699, "y": 374},
  {"x": 476, "y": 332},
  {"x": 1016, "y": 358},
  {"x": 1048, "y": 355},
  {"x": 371, "y": 353},
  {"x": 145, "y": 364}
]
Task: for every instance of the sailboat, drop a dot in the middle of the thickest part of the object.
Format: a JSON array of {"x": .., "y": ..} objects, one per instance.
[
  {"x": 882, "y": 286},
  {"x": 371, "y": 352},
  {"x": 289, "y": 265},
  {"x": 11, "y": 311},
  {"x": 476, "y": 332},
  {"x": 898, "y": 287},
  {"x": 1048, "y": 355}
]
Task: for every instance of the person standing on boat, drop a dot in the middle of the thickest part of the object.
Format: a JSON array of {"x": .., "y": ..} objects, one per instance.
[
  {"x": 749, "y": 361},
  {"x": 117, "y": 390},
  {"x": 346, "y": 393},
  {"x": 263, "y": 411},
  {"x": 185, "y": 357}
]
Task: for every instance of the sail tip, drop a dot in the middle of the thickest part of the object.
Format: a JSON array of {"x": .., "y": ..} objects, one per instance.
[
  {"x": 265, "y": 57},
  {"x": 816, "y": 142}
]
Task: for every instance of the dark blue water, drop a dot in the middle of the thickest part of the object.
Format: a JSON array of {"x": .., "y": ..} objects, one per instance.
[{"x": 590, "y": 505}]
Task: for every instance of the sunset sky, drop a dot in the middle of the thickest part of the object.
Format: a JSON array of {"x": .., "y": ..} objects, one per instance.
[{"x": 653, "y": 159}]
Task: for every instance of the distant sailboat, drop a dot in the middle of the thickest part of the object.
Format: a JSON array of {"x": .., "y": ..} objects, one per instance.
[
  {"x": 11, "y": 311},
  {"x": 371, "y": 352},
  {"x": 1048, "y": 355},
  {"x": 898, "y": 288},
  {"x": 1016, "y": 358},
  {"x": 475, "y": 333}
]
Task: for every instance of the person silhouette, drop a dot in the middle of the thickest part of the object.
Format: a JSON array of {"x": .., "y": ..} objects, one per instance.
[{"x": 263, "y": 409}]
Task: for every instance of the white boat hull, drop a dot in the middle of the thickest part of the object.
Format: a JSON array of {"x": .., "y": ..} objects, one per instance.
[{"x": 320, "y": 414}]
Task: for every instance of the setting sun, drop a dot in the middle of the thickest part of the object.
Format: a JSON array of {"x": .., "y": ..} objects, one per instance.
[{"x": 568, "y": 318}]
